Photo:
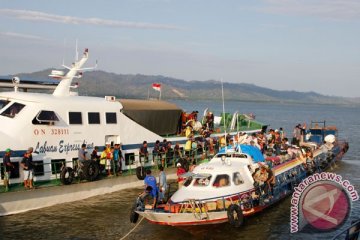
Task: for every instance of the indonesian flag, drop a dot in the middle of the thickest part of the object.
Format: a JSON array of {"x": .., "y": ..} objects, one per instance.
[{"x": 156, "y": 86}]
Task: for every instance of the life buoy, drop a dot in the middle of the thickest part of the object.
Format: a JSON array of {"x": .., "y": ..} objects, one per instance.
[
  {"x": 67, "y": 175},
  {"x": 235, "y": 215},
  {"x": 134, "y": 216},
  {"x": 140, "y": 173}
]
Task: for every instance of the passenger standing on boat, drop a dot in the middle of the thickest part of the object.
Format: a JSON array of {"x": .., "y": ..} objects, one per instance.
[
  {"x": 8, "y": 166},
  {"x": 296, "y": 135},
  {"x": 151, "y": 181},
  {"x": 106, "y": 157},
  {"x": 81, "y": 156},
  {"x": 163, "y": 151},
  {"x": 282, "y": 133},
  {"x": 143, "y": 153},
  {"x": 82, "y": 153},
  {"x": 28, "y": 166},
  {"x": 94, "y": 154},
  {"x": 177, "y": 153},
  {"x": 180, "y": 171},
  {"x": 188, "y": 148},
  {"x": 121, "y": 158},
  {"x": 302, "y": 132},
  {"x": 189, "y": 130},
  {"x": 110, "y": 161},
  {"x": 277, "y": 143},
  {"x": 162, "y": 185},
  {"x": 169, "y": 153},
  {"x": 116, "y": 158},
  {"x": 156, "y": 151}
]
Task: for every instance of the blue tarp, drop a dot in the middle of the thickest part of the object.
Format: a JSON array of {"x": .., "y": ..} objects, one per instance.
[{"x": 254, "y": 152}]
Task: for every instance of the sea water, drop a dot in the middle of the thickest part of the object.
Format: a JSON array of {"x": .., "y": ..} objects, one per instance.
[{"x": 107, "y": 216}]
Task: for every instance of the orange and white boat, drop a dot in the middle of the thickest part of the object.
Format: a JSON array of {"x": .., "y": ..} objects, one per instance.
[{"x": 223, "y": 189}]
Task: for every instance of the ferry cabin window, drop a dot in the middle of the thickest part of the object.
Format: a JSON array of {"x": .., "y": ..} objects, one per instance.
[
  {"x": 13, "y": 110},
  {"x": 202, "y": 182},
  {"x": 222, "y": 180},
  {"x": 3, "y": 103},
  {"x": 45, "y": 117},
  {"x": 75, "y": 118},
  {"x": 94, "y": 117},
  {"x": 237, "y": 179},
  {"x": 111, "y": 118}
]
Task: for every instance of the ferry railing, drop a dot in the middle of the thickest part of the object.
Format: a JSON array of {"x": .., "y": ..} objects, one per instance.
[{"x": 49, "y": 173}]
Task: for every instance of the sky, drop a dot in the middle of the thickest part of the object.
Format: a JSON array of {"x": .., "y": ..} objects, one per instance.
[{"x": 301, "y": 45}]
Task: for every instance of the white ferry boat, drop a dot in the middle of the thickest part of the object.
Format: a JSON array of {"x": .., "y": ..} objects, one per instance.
[{"x": 56, "y": 125}]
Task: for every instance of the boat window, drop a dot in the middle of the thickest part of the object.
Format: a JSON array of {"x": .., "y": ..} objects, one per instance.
[
  {"x": 75, "y": 118},
  {"x": 188, "y": 181},
  {"x": 94, "y": 118},
  {"x": 202, "y": 182},
  {"x": 237, "y": 179},
  {"x": 222, "y": 180},
  {"x": 111, "y": 117},
  {"x": 45, "y": 117},
  {"x": 13, "y": 110},
  {"x": 239, "y": 155},
  {"x": 3, "y": 103}
]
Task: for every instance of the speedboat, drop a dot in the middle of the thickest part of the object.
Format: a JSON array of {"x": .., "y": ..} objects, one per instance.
[{"x": 226, "y": 189}]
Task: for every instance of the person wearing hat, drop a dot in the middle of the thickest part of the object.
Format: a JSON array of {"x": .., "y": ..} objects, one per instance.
[
  {"x": 8, "y": 166},
  {"x": 27, "y": 165},
  {"x": 180, "y": 171}
]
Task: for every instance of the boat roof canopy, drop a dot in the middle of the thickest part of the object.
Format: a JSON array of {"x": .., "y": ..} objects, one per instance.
[{"x": 160, "y": 117}]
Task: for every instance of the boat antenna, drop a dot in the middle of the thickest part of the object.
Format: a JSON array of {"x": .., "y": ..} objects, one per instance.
[
  {"x": 223, "y": 105},
  {"x": 76, "y": 51},
  {"x": 75, "y": 71}
]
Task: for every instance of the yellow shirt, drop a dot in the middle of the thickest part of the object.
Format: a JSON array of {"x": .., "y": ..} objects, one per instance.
[
  {"x": 188, "y": 145},
  {"x": 188, "y": 132},
  {"x": 105, "y": 153}
]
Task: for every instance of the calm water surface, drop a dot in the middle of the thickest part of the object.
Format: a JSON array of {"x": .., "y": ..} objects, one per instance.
[{"x": 107, "y": 217}]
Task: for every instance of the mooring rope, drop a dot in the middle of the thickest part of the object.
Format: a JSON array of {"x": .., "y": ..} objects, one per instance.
[{"x": 132, "y": 229}]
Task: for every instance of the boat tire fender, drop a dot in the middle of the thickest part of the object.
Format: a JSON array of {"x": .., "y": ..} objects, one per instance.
[
  {"x": 134, "y": 216},
  {"x": 235, "y": 215},
  {"x": 140, "y": 173},
  {"x": 91, "y": 170},
  {"x": 67, "y": 175}
]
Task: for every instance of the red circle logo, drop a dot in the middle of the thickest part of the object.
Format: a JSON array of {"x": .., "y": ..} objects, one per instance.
[{"x": 325, "y": 206}]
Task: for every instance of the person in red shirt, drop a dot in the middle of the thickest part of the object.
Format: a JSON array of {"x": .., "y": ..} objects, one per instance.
[{"x": 180, "y": 171}]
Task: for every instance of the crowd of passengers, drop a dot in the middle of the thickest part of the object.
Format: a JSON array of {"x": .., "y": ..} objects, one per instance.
[{"x": 274, "y": 145}]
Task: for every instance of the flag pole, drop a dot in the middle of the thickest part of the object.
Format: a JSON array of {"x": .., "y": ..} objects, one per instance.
[
  {"x": 160, "y": 94},
  {"x": 223, "y": 103}
]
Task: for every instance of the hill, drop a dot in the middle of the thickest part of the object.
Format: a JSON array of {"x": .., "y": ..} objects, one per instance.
[{"x": 100, "y": 83}]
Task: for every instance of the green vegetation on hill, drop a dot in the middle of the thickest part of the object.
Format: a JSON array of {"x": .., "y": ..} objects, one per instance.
[{"x": 100, "y": 83}]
